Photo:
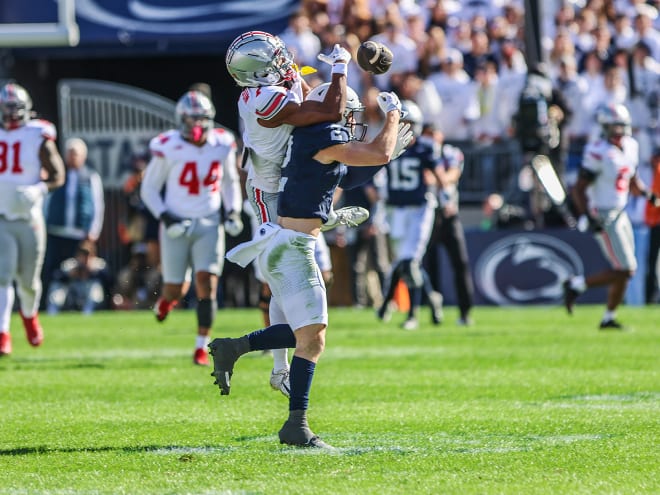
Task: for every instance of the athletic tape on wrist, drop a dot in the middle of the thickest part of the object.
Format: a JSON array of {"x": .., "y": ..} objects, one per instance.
[{"x": 340, "y": 68}]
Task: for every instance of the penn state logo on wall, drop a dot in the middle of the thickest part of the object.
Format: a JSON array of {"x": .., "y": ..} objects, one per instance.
[{"x": 526, "y": 269}]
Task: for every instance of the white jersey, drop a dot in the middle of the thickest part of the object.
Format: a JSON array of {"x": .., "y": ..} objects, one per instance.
[
  {"x": 265, "y": 146},
  {"x": 20, "y": 166},
  {"x": 613, "y": 168},
  {"x": 197, "y": 179}
]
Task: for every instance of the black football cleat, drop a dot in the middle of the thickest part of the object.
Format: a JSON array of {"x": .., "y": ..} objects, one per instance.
[{"x": 570, "y": 295}]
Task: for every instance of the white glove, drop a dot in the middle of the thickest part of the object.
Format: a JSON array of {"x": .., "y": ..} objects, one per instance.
[
  {"x": 388, "y": 101},
  {"x": 338, "y": 54},
  {"x": 32, "y": 194},
  {"x": 178, "y": 229},
  {"x": 234, "y": 224},
  {"x": 403, "y": 139}
]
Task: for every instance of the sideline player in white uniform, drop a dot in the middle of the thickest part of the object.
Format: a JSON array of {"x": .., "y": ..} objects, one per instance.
[
  {"x": 315, "y": 165},
  {"x": 607, "y": 176},
  {"x": 27, "y": 154},
  {"x": 197, "y": 166},
  {"x": 270, "y": 107}
]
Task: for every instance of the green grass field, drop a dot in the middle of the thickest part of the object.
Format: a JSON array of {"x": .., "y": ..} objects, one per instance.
[{"x": 526, "y": 401}]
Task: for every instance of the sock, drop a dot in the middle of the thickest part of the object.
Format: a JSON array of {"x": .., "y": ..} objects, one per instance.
[
  {"x": 273, "y": 337},
  {"x": 609, "y": 315},
  {"x": 298, "y": 417},
  {"x": 578, "y": 283},
  {"x": 30, "y": 298},
  {"x": 415, "y": 301},
  {"x": 280, "y": 359},
  {"x": 394, "y": 280},
  {"x": 6, "y": 305},
  {"x": 202, "y": 341},
  {"x": 302, "y": 373}
]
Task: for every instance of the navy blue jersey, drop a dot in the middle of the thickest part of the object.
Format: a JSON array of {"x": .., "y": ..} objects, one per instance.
[
  {"x": 405, "y": 175},
  {"x": 308, "y": 186}
]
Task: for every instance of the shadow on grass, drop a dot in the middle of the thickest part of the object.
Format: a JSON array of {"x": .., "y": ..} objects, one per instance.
[{"x": 157, "y": 449}]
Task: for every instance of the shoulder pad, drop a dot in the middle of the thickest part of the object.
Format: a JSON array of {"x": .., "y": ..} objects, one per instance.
[
  {"x": 47, "y": 129},
  {"x": 158, "y": 144},
  {"x": 269, "y": 100}
]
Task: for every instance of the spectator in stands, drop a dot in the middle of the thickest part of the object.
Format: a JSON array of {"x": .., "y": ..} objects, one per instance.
[
  {"x": 479, "y": 53},
  {"x": 562, "y": 49},
  {"x": 460, "y": 107},
  {"x": 488, "y": 128},
  {"x": 404, "y": 49},
  {"x": 434, "y": 52},
  {"x": 645, "y": 30},
  {"x": 643, "y": 82},
  {"x": 586, "y": 23},
  {"x": 80, "y": 282},
  {"x": 576, "y": 131},
  {"x": 74, "y": 213},
  {"x": 624, "y": 35},
  {"x": 303, "y": 44}
]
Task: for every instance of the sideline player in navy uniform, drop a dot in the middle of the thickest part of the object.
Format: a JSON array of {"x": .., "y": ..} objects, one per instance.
[
  {"x": 410, "y": 212},
  {"x": 314, "y": 166}
]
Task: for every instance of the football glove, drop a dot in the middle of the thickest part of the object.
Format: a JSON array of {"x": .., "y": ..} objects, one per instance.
[
  {"x": 589, "y": 223},
  {"x": 29, "y": 195},
  {"x": 388, "y": 101},
  {"x": 233, "y": 224},
  {"x": 403, "y": 139},
  {"x": 652, "y": 198},
  {"x": 174, "y": 226},
  {"x": 338, "y": 54}
]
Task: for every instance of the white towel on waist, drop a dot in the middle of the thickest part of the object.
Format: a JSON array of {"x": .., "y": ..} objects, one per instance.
[{"x": 246, "y": 252}]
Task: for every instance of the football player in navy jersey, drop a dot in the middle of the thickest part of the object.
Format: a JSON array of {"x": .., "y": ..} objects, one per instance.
[
  {"x": 410, "y": 211},
  {"x": 315, "y": 164}
]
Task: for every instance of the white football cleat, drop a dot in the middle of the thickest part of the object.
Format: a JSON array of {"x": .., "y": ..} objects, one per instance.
[
  {"x": 279, "y": 380},
  {"x": 351, "y": 216}
]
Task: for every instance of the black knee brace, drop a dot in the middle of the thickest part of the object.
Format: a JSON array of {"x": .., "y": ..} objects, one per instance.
[{"x": 206, "y": 309}]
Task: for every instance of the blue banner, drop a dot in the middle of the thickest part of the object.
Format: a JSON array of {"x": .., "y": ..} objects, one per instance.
[
  {"x": 515, "y": 267},
  {"x": 143, "y": 26}
]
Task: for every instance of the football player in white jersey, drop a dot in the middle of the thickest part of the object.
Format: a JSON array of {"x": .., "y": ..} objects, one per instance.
[
  {"x": 30, "y": 166},
  {"x": 608, "y": 175},
  {"x": 271, "y": 105},
  {"x": 197, "y": 165}
]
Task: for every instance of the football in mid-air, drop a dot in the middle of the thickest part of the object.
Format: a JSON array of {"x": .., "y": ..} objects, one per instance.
[{"x": 374, "y": 57}]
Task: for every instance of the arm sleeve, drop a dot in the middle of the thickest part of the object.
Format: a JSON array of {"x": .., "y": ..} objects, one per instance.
[
  {"x": 99, "y": 206},
  {"x": 357, "y": 176},
  {"x": 154, "y": 179},
  {"x": 232, "y": 198}
]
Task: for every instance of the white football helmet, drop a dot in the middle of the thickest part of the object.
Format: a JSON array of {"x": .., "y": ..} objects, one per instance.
[
  {"x": 614, "y": 119},
  {"x": 258, "y": 59},
  {"x": 412, "y": 113},
  {"x": 15, "y": 106},
  {"x": 353, "y": 114},
  {"x": 195, "y": 112}
]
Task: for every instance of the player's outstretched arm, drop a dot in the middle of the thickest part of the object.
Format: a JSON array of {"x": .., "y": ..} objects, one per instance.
[
  {"x": 315, "y": 112},
  {"x": 381, "y": 149}
]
